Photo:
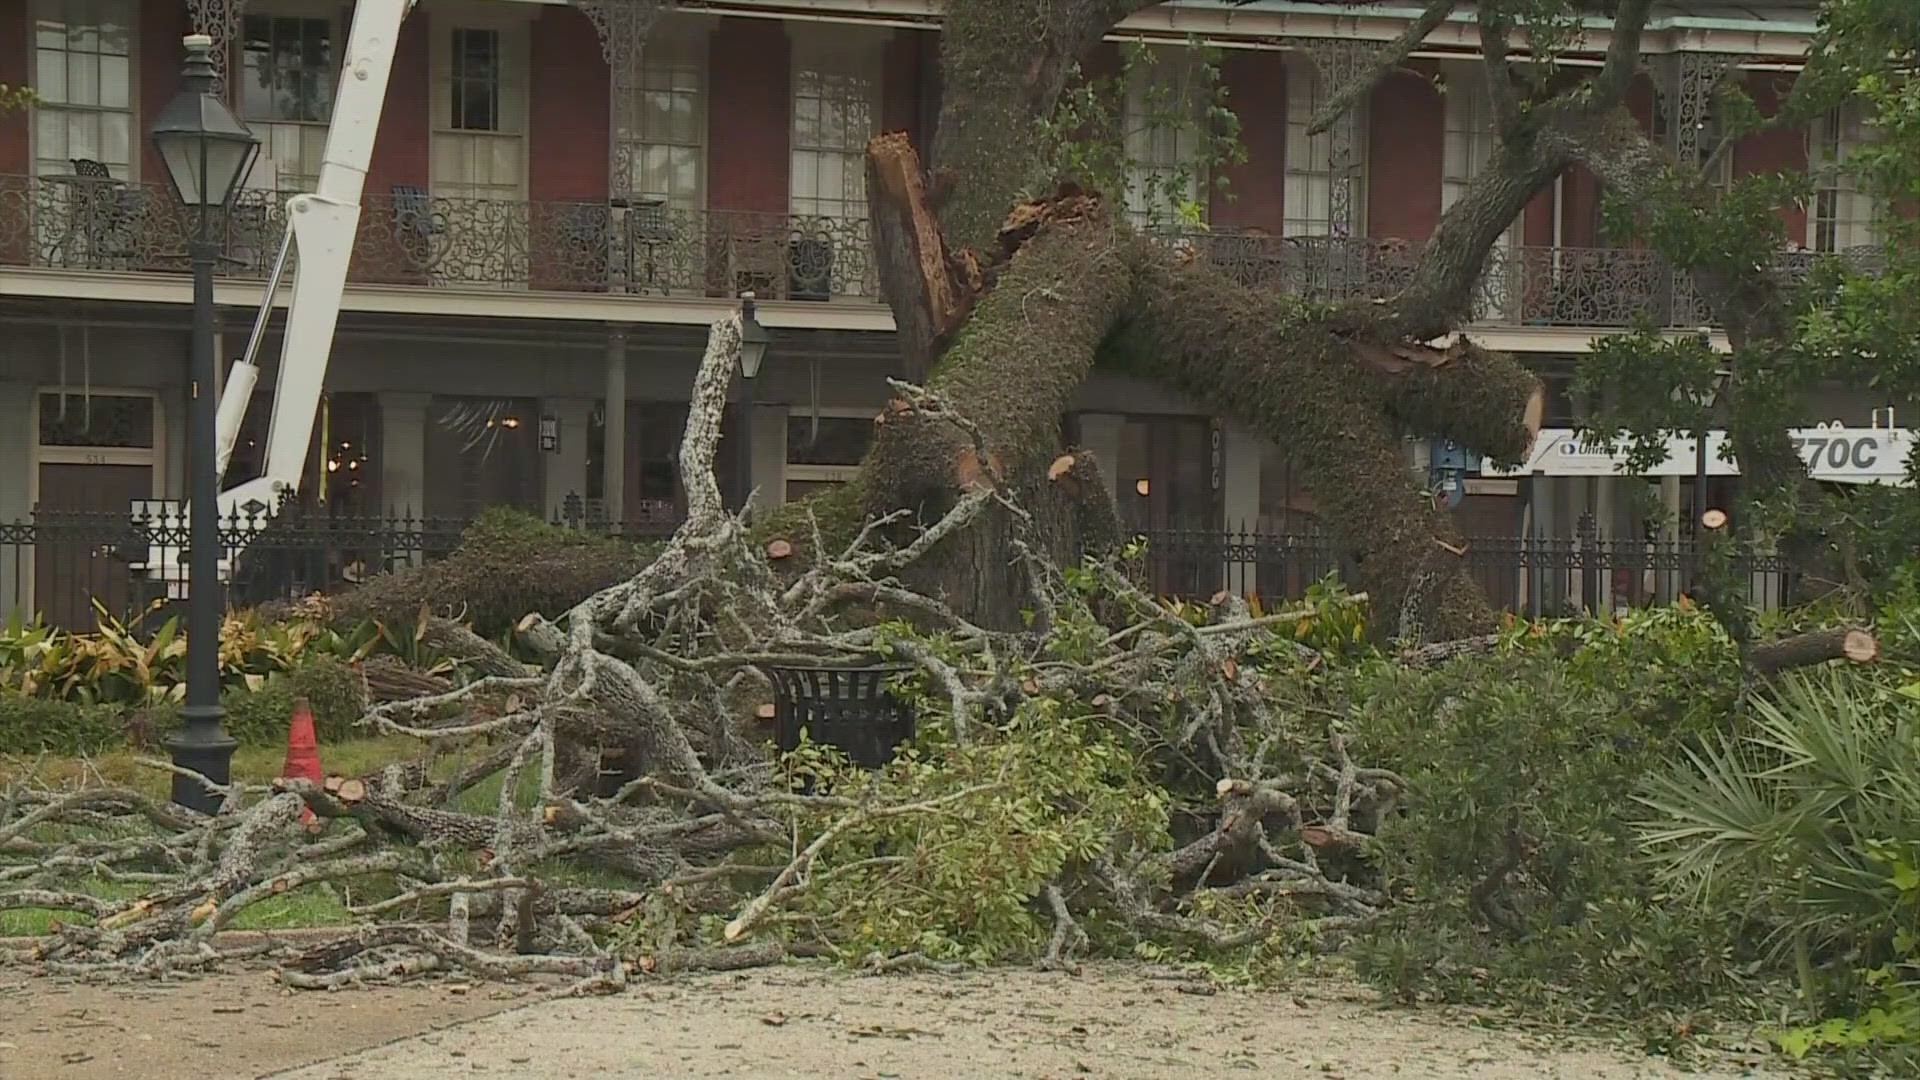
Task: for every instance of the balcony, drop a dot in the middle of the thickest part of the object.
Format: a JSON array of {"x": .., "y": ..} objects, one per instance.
[{"x": 408, "y": 237}]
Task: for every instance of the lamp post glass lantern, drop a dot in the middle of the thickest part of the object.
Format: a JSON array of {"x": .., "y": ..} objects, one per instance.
[
  {"x": 207, "y": 152},
  {"x": 754, "y": 340}
]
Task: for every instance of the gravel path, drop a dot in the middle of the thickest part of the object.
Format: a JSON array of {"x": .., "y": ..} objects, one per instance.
[{"x": 1115, "y": 1023}]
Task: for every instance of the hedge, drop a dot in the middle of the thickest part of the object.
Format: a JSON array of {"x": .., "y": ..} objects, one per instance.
[{"x": 34, "y": 725}]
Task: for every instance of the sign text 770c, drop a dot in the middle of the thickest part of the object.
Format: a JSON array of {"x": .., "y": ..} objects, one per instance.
[{"x": 1838, "y": 451}]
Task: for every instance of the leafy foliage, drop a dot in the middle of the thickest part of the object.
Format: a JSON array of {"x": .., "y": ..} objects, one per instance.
[{"x": 1161, "y": 97}]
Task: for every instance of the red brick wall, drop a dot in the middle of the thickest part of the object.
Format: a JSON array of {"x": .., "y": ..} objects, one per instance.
[
  {"x": 158, "y": 58},
  {"x": 749, "y": 72},
  {"x": 1256, "y": 85},
  {"x": 16, "y": 41},
  {"x": 1776, "y": 149},
  {"x": 1404, "y": 158},
  {"x": 569, "y": 129},
  {"x": 400, "y": 149}
]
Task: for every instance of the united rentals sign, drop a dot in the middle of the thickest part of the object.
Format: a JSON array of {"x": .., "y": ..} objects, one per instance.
[{"x": 1841, "y": 455}]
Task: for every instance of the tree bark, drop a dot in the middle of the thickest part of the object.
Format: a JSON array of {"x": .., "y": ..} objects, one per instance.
[
  {"x": 1851, "y": 643},
  {"x": 1003, "y": 65},
  {"x": 1330, "y": 400}
]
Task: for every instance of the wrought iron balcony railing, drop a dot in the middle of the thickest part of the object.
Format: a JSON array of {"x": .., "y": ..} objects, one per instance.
[
  {"x": 408, "y": 237},
  {"x": 1521, "y": 286}
]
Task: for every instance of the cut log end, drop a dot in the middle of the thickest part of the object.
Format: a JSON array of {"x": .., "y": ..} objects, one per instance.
[
  {"x": 779, "y": 549},
  {"x": 1860, "y": 647},
  {"x": 1714, "y": 520},
  {"x": 351, "y": 791}
]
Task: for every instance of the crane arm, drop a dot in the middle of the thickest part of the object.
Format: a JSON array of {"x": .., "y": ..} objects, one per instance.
[
  {"x": 320, "y": 232},
  {"x": 319, "y": 243}
]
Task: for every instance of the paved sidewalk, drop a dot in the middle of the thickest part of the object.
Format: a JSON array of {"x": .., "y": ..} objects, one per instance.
[{"x": 1113, "y": 1023}]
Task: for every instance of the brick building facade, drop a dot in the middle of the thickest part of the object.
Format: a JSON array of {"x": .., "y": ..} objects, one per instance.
[{"x": 550, "y": 220}]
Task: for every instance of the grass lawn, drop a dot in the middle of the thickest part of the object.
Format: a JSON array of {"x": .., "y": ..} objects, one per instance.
[{"x": 314, "y": 905}]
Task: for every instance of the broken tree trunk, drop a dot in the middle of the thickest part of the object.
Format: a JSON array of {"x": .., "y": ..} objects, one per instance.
[
  {"x": 1337, "y": 390},
  {"x": 1850, "y": 643},
  {"x": 1018, "y": 350}
]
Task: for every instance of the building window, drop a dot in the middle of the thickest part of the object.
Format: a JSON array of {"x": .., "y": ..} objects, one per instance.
[
  {"x": 1471, "y": 133},
  {"x": 836, "y": 109},
  {"x": 1165, "y": 106},
  {"x": 664, "y": 133},
  {"x": 1311, "y": 171},
  {"x": 480, "y": 114},
  {"x": 286, "y": 94},
  {"x": 475, "y": 88},
  {"x": 82, "y": 74},
  {"x": 824, "y": 450},
  {"x": 1840, "y": 216}
]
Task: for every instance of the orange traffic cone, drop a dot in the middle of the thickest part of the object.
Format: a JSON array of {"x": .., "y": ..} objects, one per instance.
[{"x": 303, "y": 754}]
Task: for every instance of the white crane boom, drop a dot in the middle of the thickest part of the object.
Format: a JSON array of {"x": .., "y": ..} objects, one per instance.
[{"x": 320, "y": 232}]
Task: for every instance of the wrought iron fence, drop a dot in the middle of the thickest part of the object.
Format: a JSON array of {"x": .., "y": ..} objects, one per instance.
[
  {"x": 409, "y": 237},
  {"x": 1535, "y": 575},
  {"x": 61, "y": 564}
]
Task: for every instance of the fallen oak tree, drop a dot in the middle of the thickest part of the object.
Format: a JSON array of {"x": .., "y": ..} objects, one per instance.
[{"x": 1066, "y": 744}]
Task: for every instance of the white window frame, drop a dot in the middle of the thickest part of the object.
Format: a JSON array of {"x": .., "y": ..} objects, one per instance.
[
  {"x": 1471, "y": 137},
  {"x": 1157, "y": 152},
  {"x": 1308, "y": 172},
  {"x": 671, "y": 52},
  {"x": 1830, "y": 141},
  {"x": 794, "y": 472},
  {"x": 841, "y": 54},
  {"x": 516, "y": 53},
  {"x": 290, "y": 150},
  {"x": 129, "y": 170}
]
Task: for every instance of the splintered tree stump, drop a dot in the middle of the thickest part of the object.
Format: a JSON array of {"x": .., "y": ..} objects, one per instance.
[
  {"x": 1851, "y": 643},
  {"x": 930, "y": 288}
]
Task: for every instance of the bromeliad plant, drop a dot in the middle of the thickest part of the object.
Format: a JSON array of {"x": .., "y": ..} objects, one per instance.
[{"x": 118, "y": 664}]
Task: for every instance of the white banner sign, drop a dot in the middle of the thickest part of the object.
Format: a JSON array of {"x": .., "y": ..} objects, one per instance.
[{"x": 1841, "y": 455}]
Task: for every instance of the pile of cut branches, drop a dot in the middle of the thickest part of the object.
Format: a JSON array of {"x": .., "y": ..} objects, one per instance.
[{"x": 1115, "y": 774}]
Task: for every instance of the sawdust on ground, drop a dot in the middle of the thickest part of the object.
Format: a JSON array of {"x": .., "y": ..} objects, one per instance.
[{"x": 1116, "y": 1022}]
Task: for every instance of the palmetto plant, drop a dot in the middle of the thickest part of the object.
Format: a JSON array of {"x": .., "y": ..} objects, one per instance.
[{"x": 1806, "y": 814}]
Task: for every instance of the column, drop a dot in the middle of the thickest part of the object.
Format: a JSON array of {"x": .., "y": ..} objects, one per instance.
[
  {"x": 403, "y": 453},
  {"x": 768, "y": 470},
  {"x": 623, "y": 27},
  {"x": 1100, "y": 434},
  {"x": 566, "y": 465},
  {"x": 613, "y": 455},
  {"x": 1240, "y": 503},
  {"x": 16, "y": 464},
  {"x": 173, "y": 460}
]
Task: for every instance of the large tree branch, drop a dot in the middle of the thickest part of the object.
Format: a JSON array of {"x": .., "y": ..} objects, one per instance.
[
  {"x": 1445, "y": 281},
  {"x": 1496, "y": 41},
  {"x": 1384, "y": 63},
  {"x": 1314, "y": 389},
  {"x": 1610, "y": 87}
]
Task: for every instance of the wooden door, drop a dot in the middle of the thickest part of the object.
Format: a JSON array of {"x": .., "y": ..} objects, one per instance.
[{"x": 82, "y": 531}]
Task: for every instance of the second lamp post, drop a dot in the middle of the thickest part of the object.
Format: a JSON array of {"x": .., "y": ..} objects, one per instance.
[{"x": 754, "y": 340}]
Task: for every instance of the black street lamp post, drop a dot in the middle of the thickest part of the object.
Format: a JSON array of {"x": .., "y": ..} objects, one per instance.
[
  {"x": 207, "y": 153},
  {"x": 754, "y": 340}
]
